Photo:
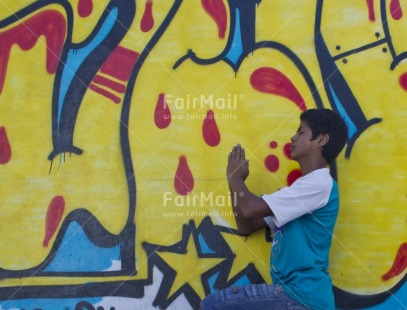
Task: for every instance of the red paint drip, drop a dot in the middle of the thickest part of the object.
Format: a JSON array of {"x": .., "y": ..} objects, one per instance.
[
  {"x": 293, "y": 175},
  {"x": 399, "y": 264},
  {"x": 272, "y": 81},
  {"x": 184, "y": 181},
  {"x": 210, "y": 129},
  {"x": 53, "y": 218},
  {"x": 120, "y": 63},
  {"x": 272, "y": 163},
  {"x": 273, "y": 144},
  {"x": 403, "y": 81},
  {"x": 287, "y": 150},
  {"x": 50, "y": 24},
  {"x": 147, "y": 21},
  {"x": 217, "y": 10},
  {"x": 5, "y": 148},
  {"x": 85, "y": 8},
  {"x": 395, "y": 9},
  {"x": 162, "y": 113},
  {"x": 370, "y": 6}
]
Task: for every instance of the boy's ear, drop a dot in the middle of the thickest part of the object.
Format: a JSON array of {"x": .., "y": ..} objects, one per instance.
[{"x": 322, "y": 139}]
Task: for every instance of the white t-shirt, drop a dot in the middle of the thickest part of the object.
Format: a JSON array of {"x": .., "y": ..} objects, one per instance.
[{"x": 309, "y": 192}]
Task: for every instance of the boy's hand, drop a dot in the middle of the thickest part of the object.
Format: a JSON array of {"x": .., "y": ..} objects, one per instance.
[{"x": 238, "y": 165}]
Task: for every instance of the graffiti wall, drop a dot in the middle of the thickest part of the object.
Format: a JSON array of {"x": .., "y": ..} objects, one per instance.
[{"x": 116, "y": 119}]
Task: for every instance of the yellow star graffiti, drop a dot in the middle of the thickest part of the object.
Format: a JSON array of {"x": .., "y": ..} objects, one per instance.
[
  {"x": 248, "y": 250},
  {"x": 189, "y": 268}
]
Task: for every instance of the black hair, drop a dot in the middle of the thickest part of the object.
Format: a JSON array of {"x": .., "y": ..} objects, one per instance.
[{"x": 325, "y": 121}]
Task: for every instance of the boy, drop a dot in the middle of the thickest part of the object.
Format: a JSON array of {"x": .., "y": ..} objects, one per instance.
[{"x": 302, "y": 216}]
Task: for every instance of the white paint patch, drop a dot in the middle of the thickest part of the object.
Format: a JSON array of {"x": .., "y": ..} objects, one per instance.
[{"x": 146, "y": 302}]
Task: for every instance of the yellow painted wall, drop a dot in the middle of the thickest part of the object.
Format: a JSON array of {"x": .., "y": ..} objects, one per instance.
[{"x": 116, "y": 219}]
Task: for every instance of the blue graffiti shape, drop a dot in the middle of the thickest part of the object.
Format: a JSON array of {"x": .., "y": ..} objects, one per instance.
[
  {"x": 78, "y": 66},
  {"x": 83, "y": 247},
  {"x": 47, "y": 304},
  {"x": 236, "y": 49},
  {"x": 78, "y": 254},
  {"x": 337, "y": 89}
]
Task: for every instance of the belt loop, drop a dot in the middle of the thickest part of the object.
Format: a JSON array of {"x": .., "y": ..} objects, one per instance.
[
  {"x": 278, "y": 289},
  {"x": 254, "y": 289}
]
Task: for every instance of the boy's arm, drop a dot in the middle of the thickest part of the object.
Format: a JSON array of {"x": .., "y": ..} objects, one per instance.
[{"x": 249, "y": 209}]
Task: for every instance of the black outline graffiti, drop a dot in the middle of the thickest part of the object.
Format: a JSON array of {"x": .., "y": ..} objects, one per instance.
[
  {"x": 63, "y": 142},
  {"x": 213, "y": 237},
  {"x": 332, "y": 77},
  {"x": 126, "y": 239},
  {"x": 247, "y": 17},
  {"x": 63, "y": 127},
  {"x": 331, "y": 74},
  {"x": 347, "y": 300},
  {"x": 130, "y": 288}
]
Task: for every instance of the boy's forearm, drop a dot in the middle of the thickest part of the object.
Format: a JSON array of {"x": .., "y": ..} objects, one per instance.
[
  {"x": 245, "y": 203},
  {"x": 243, "y": 224}
]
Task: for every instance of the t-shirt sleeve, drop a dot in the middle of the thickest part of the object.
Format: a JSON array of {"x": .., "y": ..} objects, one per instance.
[
  {"x": 270, "y": 223},
  {"x": 305, "y": 195}
]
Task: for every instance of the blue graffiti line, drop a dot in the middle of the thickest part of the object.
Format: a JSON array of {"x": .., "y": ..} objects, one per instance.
[
  {"x": 236, "y": 49},
  {"x": 76, "y": 57},
  {"x": 45, "y": 304},
  {"x": 341, "y": 110}
]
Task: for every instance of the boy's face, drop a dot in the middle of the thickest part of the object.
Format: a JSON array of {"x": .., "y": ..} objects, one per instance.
[{"x": 302, "y": 145}]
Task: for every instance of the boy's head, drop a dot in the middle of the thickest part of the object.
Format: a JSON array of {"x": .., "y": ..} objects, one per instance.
[{"x": 325, "y": 121}]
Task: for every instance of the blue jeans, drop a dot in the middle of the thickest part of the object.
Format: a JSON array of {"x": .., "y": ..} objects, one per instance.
[{"x": 251, "y": 297}]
